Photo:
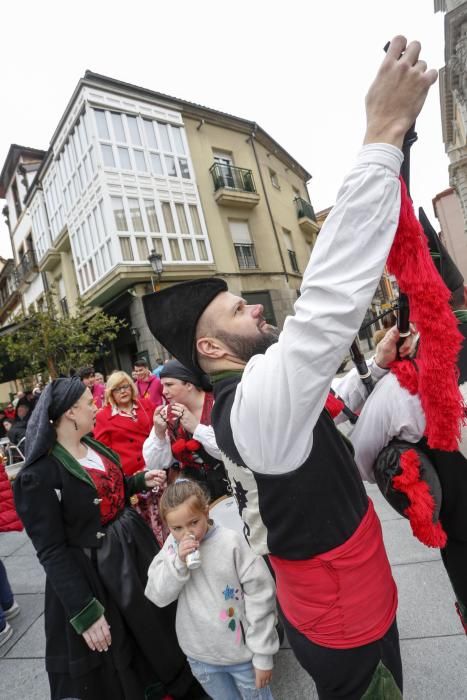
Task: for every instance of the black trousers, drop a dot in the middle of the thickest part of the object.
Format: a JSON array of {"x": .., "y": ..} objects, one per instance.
[{"x": 345, "y": 674}]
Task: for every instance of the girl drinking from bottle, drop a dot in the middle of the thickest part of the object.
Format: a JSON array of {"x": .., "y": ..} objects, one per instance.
[{"x": 226, "y": 609}]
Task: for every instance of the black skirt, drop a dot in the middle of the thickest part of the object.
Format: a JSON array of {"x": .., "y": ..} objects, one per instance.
[{"x": 144, "y": 659}]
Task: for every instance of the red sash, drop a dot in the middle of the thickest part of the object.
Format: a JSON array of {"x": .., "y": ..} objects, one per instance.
[{"x": 343, "y": 598}]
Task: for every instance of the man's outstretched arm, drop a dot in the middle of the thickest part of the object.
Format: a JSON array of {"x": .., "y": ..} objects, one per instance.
[{"x": 283, "y": 392}]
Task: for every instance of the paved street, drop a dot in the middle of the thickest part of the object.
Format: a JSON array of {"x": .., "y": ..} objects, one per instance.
[{"x": 434, "y": 650}]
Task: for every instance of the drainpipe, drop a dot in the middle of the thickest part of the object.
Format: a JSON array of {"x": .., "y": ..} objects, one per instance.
[{"x": 252, "y": 141}]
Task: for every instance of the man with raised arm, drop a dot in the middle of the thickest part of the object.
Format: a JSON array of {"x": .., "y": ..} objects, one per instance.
[{"x": 297, "y": 486}]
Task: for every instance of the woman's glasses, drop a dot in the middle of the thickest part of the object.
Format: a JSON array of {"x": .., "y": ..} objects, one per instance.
[{"x": 119, "y": 389}]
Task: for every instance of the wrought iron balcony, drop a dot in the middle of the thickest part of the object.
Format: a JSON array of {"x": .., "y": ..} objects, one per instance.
[
  {"x": 234, "y": 186},
  {"x": 306, "y": 219},
  {"x": 27, "y": 266},
  {"x": 304, "y": 209},
  {"x": 9, "y": 293}
]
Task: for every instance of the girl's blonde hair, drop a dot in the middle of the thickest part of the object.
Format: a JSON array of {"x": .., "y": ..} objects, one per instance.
[
  {"x": 114, "y": 381},
  {"x": 180, "y": 491}
]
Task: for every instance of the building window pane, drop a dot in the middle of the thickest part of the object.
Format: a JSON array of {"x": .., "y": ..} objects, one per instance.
[
  {"x": 182, "y": 221},
  {"x": 91, "y": 270},
  {"x": 202, "y": 250},
  {"x": 156, "y": 165},
  {"x": 102, "y": 128},
  {"x": 189, "y": 252},
  {"x": 124, "y": 156},
  {"x": 178, "y": 140},
  {"x": 170, "y": 165},
  {"x": 118, "y": 127},
  {"x": 151, "y": 216},
  {"x": 134, "y": 130},
  {"x": 142, "y": 246},
  {"x": 175, "y": 249},
  {"x": 135, "y": 213},
  {"x": 125, "y": 247},
  {"x": 245, "y": 256},
  {"x": 150, "y": 133},
  {"x": 108, "y": 156},
  {"x": 119, "y": 214},
  {"x": 293, "y": 261},
  {"x": 168, "y": 218},
  {"x": 195, "y": 220},
  {"x": 184, "y": 169},
  {"x": 140, "y": 161},
  {"x": 158, "y": 246},
  {"x": 164, "y": 132}
]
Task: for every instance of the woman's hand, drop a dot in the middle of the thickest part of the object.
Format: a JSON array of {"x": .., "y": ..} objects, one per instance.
[
  {"x": 186, "y": 546},
  {"x": 155, "y": 478},
  {"x": 160, "y": 421},
  {"x": 263, "y": 678},
  {"x": 187, "y": 419},
  {"x": 97, "y": 637}
]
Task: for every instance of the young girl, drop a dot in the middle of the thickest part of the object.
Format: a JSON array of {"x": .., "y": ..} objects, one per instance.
[{"x": 226, "y": 606}]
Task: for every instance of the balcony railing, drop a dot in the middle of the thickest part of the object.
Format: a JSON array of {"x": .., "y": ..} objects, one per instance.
[
  {"x": 304, "y": 209},
  {"x": 231, "y": 177},
  {"x": 8, "y": 290},
  {"x": 27, "y": 264}
]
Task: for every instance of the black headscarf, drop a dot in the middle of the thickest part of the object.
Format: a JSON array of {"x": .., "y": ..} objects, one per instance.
[
  {"x": 57, "y": 397},
  {"x": 175, "y": 370}
]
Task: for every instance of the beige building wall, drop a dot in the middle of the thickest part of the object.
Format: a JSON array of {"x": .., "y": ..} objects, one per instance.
[
  {"x": 274, "y": 211},
  {"x": 449, "y": 213}
]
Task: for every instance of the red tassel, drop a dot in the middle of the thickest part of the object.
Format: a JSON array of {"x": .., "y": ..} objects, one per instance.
[
  {"x": 422, "y": 505},
  {"x": 411, "y": 263},
  {"x": 334, "y": 405}
]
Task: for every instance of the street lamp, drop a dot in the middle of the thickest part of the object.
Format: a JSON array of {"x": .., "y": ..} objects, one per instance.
[{"x": 155, "y": 260}]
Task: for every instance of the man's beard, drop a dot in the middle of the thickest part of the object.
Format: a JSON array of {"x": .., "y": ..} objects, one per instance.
[{"x": 244, "y": 347}]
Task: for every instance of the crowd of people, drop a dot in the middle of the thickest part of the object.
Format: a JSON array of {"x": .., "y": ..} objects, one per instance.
[{"x": 155, "y": 588}]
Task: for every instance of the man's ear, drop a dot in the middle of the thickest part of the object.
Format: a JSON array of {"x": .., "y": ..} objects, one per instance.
[{"x": 210, "y": 348}]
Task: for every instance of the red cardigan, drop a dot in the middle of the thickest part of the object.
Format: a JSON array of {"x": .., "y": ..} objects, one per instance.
[
  {"x": 124, "y": 435},
  {"x": 8, "y": 516}
]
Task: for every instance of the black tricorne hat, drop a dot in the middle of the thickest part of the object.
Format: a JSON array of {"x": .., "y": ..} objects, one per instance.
[
  {"x": 445, "y": 265},
  {"x": 173, "y": 313}
]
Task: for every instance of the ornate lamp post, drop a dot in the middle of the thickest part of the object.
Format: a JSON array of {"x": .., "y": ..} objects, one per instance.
[{"x": 155, "y": 260}]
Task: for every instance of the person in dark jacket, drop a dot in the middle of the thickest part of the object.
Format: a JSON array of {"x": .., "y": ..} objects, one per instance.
[{"x": 73, "y": 497}]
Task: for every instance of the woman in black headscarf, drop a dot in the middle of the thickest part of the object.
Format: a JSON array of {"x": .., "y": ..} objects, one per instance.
[{"x": 73, "y": 499}]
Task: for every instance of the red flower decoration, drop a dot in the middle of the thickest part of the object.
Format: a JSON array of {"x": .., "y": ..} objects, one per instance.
[{"x": 183, "y": 450}]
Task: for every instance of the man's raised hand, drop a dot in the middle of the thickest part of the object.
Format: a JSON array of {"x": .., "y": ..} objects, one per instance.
[{"x": 398, "y": 93}]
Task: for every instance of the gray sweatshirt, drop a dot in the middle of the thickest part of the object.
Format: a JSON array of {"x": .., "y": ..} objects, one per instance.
[{"x": 226, "y": 610}]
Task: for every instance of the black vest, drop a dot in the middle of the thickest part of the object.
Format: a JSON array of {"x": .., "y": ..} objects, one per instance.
[{"x": 296, "y": 515}]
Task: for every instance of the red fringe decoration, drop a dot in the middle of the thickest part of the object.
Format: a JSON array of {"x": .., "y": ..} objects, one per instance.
[
  {"x": 411, "y": 263},
  {"x": 334, "y": 405},
  {"x": 422, "y": 505}
]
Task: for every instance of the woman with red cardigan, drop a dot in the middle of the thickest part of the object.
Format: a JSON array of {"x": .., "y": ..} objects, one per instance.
[{"x": 123, "y": 424}]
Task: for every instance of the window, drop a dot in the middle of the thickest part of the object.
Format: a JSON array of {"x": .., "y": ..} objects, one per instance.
[
  {"x": 142, "y": 247},
  {"x": 102, "y": 128},
  {"x": 189, "y": 251},
  {"x": 108, "y": 155},
  {"x": 156, "y": 165},
  {"x": 182, "y": 220},
  {"x": 16, "y": 200},
  {"x": 117, "y": 124},
  {"x": 244, "y": 248},
  {"x": 178, "y": 140},
  {"x": 168, "y": 218},
  {"x": 140, "y": 161},
  {"x": 119, "y": 214},
  {"x": 274, "y": 179},
  {"x": 290, "y": 249},
  {"x": 202, "y": 250},
  {"x": 150, "y": 133},
  {"x": 151, "y": 216},
  {"x": 195, "y": 220},
  {"x": 125, "y": 162},
  {"x": 135, "y": 213},
  {"x": 158, "y": 246},
  {"x": 135, "y": 136},
  {"x": 175, "y": 249},
  {"x": 164, "y": 133},
  {"x": 170, "y": 165},
  {"x": 184, "y": 169},
  {"x": 125, "y": 247}
]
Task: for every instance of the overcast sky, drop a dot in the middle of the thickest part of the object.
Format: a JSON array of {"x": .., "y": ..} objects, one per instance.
[{"x": 299, "y": 68}]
